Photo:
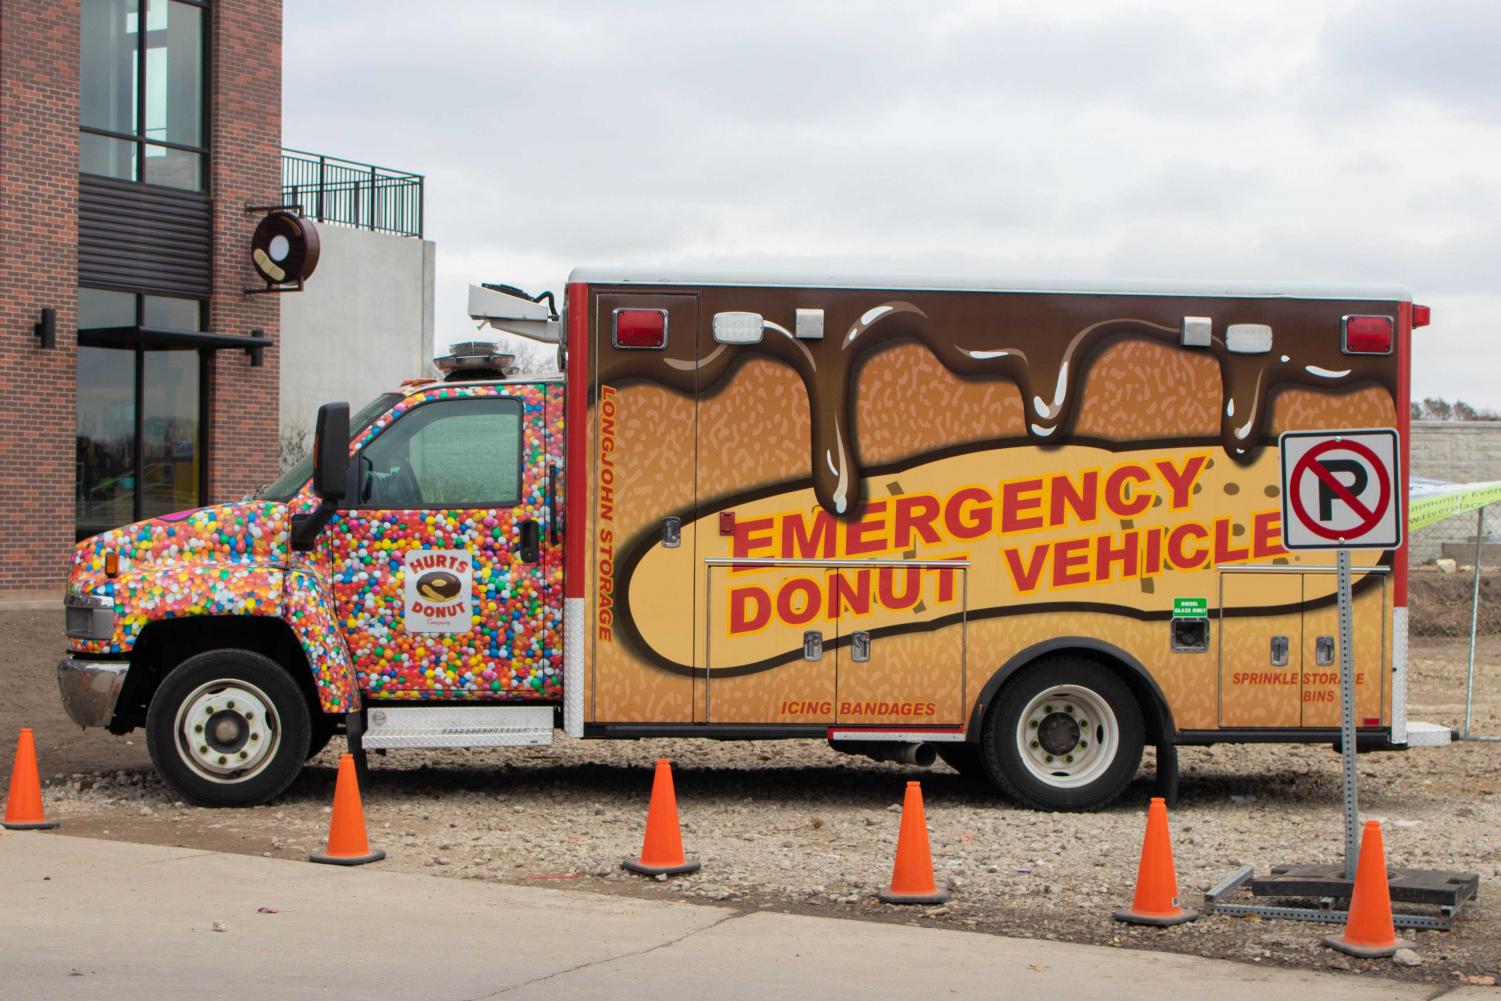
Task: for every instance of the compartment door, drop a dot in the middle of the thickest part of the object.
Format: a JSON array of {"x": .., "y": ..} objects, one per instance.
[
  {"x": 898, "y": 676},
  {"x": 770, "y": 650},
  {"x": 1321, "y": 703},
  {"x": 1261, "y": 655},
  {"x": 643, "y": 427}
]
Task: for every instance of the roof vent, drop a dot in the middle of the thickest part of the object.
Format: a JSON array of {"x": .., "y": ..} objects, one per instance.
[{"x": 475, "y": 360}]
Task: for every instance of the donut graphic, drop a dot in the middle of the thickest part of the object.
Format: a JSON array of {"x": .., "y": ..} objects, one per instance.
[{"x": 439, "y": 585}]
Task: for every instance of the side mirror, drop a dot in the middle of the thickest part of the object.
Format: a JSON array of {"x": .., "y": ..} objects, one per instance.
[{"x": 331, "y": 452}]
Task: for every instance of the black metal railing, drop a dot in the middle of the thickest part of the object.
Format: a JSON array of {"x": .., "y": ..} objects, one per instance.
[{"x": 347, "y": 193}]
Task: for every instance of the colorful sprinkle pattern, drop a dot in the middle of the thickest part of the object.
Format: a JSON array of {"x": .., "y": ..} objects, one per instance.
[
  {"x": 344, "y": 601},
  {"x": 513, "y": 652},
  {"x": 230, "y": 559}
]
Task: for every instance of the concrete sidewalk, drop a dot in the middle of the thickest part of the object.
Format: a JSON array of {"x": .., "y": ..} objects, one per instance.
[{"x": 85, "y": 918}]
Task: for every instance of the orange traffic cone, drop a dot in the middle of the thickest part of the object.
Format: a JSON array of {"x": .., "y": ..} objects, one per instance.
[
  {"x": 1156, "y": 901},
  {"x": 1369, "y": 931},
  {"x": 347, "y": 844},
  {"x": 912, "y": 875},
  {"x": 23, "y": 807},
  {"x": 662, "y": 849}
]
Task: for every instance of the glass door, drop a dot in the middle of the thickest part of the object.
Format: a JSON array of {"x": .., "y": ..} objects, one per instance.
[
  {"x": 139, "y": 440},
  {"x": 104, "y": 481}
]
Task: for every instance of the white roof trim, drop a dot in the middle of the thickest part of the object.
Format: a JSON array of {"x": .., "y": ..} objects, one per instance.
[{"x": 972, "y": 283}]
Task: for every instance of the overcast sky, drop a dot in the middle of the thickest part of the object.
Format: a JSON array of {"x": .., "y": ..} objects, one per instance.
[{"x": 1350, "y": 141}]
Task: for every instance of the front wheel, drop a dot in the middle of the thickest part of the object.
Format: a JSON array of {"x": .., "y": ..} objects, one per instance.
[
  {"x": 1065, "y": 734},
  {"x": 228, "y": 728}
]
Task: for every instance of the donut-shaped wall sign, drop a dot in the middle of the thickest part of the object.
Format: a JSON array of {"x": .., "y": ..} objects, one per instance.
[{"x": 284, "y": 248}]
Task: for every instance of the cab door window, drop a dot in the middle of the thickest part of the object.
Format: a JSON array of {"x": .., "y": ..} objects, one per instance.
[{"x": 449, "y": 454}]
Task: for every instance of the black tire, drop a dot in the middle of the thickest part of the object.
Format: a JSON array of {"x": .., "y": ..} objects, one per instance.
[
  {"x": 267, "y": 726},
  {"x": 964, "y": 759},
  {"x": 1056, "y": 694}
]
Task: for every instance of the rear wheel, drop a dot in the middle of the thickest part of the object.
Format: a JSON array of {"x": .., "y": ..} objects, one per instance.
[
  {"x": 1065, "y": 734},
  {"x": 228, "y": 728}
]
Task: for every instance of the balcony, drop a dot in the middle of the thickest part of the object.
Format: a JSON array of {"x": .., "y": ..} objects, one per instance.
[{"x": 347, "y": 193}]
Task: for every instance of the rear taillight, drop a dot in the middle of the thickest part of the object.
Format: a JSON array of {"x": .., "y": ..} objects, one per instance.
[
  {"x": 1368, "y": 335},
  {"x": 640, "y": 329}
]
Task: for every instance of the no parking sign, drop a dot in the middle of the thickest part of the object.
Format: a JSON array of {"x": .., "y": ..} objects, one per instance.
[{"x": 1341, "y": 489}]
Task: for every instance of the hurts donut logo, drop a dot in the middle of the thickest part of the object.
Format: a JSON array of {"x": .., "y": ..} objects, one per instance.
[{"x": 439, "y": 591}]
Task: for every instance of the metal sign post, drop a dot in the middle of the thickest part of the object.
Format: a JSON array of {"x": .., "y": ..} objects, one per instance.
[{"x": 1347, "y": 712}]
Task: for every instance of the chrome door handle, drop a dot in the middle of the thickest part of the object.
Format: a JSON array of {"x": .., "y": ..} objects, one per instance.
[
  {"x": 1279, "y": 651},
  {"x": 672, "y": 532},
  {"x": 860, "y": 647},
  {"x": 1323, "y": 651}
]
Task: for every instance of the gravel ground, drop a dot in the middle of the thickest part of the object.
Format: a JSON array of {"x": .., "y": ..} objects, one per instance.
[{"x": 792, "y": 825}]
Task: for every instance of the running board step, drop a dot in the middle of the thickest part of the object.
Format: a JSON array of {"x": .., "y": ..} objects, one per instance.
[
  {"x": 459, "y": 726},
  {"x": 1420, "y": 734}
]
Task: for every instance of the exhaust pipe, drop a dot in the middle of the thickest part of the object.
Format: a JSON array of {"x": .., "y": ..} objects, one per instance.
[{"x": 900, "y": 752}]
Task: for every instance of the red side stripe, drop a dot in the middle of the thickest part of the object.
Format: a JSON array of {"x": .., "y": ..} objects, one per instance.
[{"x": 575, "y": 455}]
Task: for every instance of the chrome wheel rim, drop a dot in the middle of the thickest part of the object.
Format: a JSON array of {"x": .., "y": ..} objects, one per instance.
[
  {"x": 227, "y": 731},
  {"x": 1067, "y": 736}
]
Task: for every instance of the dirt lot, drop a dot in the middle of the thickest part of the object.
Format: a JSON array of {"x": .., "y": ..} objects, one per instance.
[{"x": 792, "y": 825}]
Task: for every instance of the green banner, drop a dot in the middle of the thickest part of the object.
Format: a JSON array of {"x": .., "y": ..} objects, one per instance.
[{"x": 1433, "y": 503}]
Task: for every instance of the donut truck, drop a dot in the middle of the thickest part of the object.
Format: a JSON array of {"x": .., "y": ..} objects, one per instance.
[{"x": 1024, "y": 528}]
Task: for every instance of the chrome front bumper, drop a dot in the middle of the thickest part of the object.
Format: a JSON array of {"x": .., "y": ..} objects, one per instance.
[{"x": 90, "y": 688}]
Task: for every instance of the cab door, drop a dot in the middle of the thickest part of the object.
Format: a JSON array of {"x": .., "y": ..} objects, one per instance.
[{"x": 438, "y": 561}]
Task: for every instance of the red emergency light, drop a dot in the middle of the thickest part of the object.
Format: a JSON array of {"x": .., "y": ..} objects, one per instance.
[
  {"x": 1367, "y": 335},
  {"x": 1420, "y": 315},
  {"x": 640, "y": 329}
]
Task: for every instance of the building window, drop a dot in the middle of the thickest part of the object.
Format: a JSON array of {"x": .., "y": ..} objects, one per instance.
[
  {"x": 141, "y": 408},
  {"x": 142, "y": 91}
]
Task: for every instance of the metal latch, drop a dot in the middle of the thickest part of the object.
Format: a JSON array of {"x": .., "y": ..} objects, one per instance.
[
  {"x": 1279, "y": 651},
  {"x": 860, "y": 647},
  {"x": 1323, "y": 651},
  {"x": 812, "y": 645},
  {"x": 672, "y": 532}
]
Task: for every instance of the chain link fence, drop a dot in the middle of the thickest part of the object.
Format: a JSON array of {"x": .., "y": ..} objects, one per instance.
[{"x": 1454, "y": 620}]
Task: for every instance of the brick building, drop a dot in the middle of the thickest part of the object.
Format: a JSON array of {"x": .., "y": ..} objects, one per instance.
[{"x": 133, "y": 136}]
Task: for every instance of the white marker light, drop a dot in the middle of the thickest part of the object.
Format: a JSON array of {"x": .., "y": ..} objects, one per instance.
[
  {"x": 1248, "y": 338},
  {"x": 737, "y": 328}
]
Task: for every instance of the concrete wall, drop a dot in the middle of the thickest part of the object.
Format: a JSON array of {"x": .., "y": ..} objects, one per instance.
[
  {"x": 363, "y": 324},
  {"x": 1461, "y": 452}
]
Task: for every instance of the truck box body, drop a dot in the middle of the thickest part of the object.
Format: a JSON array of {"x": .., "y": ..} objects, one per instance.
[{"x": 943, "y": 482}]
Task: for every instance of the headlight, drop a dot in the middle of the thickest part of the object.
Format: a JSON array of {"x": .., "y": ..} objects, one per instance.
[{"x": 89, "y": 616}]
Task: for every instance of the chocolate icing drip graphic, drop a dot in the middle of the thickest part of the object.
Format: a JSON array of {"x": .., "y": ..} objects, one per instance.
[{"x": 1048, "y": 367}]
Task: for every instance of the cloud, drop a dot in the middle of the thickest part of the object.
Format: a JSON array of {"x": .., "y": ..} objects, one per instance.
[
  {"x": 1441, "y": 51},
  {"x": 1351, "y": 140}
]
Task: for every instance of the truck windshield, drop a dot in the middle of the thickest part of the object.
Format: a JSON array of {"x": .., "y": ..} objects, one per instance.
[{"x": 286, "y": 486}]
